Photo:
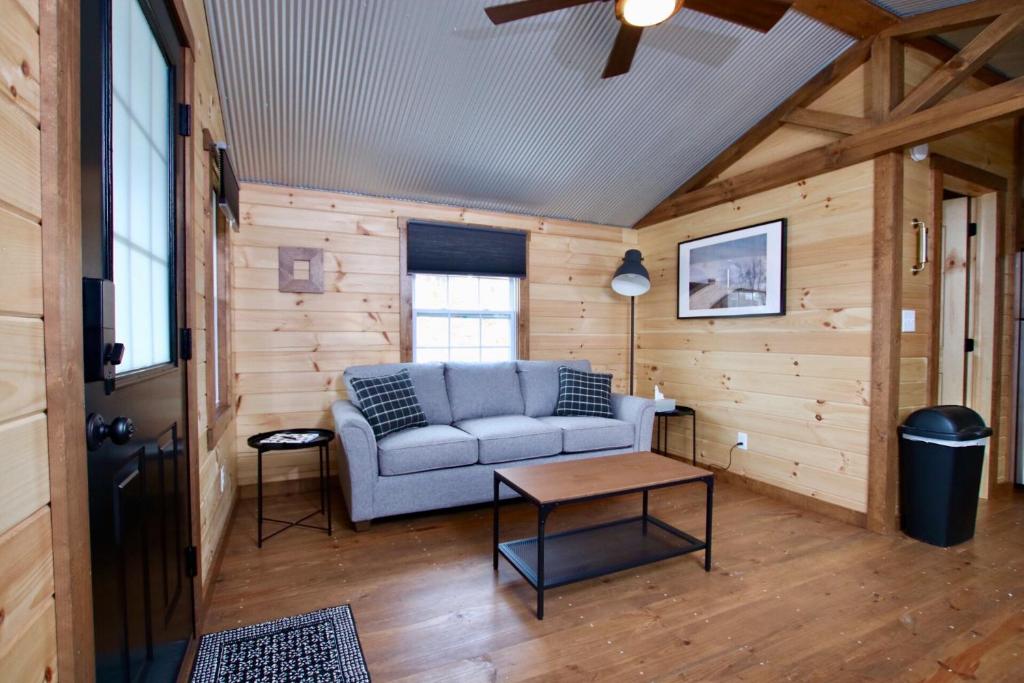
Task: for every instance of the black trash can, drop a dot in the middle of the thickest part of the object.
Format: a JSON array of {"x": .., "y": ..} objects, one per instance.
[{"x": 941, "y": 454}]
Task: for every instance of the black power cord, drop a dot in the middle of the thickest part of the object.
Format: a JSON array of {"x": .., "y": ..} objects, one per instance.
[{"x": 734, "y": 446}]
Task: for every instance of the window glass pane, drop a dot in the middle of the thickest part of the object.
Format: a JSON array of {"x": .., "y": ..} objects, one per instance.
[
  {"x": 496, "y": 293},
  {"x": 496, "y": 332},
  {"x": 463, "y": 293},
  {"x": 465, "y": 332},
  {"x": 141, "y": 180},
  {"x": 489, "y": 355},
  {"x": 430, "y": 291},
  {"x": 427, "y": 355},
  {"x": 431, "y": 331},
  {"x": 466, "y": 355}
]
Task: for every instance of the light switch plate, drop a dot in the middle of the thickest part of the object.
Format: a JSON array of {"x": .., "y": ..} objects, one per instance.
[{"x": 909, "y": 320}]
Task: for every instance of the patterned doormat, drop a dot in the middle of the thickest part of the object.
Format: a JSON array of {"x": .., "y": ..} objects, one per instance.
[{"x": 318, "y": 646}]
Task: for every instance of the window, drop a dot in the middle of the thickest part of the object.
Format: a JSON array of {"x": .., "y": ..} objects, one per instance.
[
  {"x": 218, "y": 353},
  {"x": 464, "y": 318}
]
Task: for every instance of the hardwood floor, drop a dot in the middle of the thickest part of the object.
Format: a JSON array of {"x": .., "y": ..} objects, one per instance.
[{"x": 792, "y": 597}]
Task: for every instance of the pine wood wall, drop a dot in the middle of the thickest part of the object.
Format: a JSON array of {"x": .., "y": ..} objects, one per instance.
[
  {"x": 290, "y": 349},
  {"x": 214, "y": 505},
  {"x": 798, "y": 385},
  {"x": 28, "y": 647}
]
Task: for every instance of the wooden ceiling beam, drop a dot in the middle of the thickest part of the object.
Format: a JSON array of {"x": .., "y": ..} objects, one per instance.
[
  {"x": 857, "y": 18},
  {"x": 963, "y": 64},
  {"x": 950, "y": 19},
  {"x": 943, "y": 119},
  {"x": 827, "y": 121},
  {"x": 944, "y": 52},
  {"x": 842, "y": 67}
]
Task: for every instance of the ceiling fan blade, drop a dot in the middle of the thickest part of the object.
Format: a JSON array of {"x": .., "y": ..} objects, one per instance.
[
  {"x": 621, "y": 57},
  {"x": 759, "y": 15},
  {"x": 500, "y": 14}
]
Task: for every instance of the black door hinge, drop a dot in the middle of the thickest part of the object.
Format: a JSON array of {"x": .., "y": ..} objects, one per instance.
[
  {"x": 185, "y": 120},
  {"x": 191, "y": 561},
  {"x": 972, "y": 229},
  {"x": 968, "y": 345},
  {"x": 186, "y": 343}
]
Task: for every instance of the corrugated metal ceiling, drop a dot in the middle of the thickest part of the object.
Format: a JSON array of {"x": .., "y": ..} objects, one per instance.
[
  {"x": 428, "y": 101},
  {"x": 906, "y": 8}
]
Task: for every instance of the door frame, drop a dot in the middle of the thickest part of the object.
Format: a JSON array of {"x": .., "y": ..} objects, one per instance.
[
  {"x": 975, "y": 182},
  {"x": 60, "y": 93}
]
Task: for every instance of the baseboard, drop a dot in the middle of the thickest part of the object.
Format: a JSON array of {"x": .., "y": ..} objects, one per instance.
[
  {"x": 279, "y": 488},
  {"x": 793, "y": 498}
]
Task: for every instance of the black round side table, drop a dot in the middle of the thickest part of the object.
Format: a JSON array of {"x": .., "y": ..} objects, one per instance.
[
  {"x": 321, "y": 442},
  {"x": 661, "y": 427}
]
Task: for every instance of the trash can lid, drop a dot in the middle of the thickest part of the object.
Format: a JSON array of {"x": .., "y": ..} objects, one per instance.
[{"x": 949, "y": 423}]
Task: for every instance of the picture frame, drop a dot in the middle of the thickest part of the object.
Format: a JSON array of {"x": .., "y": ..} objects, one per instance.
[{"x": 733, "y": 274}]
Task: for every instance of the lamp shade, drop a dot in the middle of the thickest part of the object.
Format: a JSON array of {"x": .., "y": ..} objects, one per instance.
[{"x": 631, "y": 279}]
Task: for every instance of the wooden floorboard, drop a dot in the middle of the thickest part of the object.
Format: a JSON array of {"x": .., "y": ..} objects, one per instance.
[{"x": 792, "y": 596}]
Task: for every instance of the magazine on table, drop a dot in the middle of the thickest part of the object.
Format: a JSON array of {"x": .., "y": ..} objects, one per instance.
[{"x": 291, "y": 437}]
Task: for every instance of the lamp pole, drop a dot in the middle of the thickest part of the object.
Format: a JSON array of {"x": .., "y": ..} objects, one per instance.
[{"x": 631, "y": 279}]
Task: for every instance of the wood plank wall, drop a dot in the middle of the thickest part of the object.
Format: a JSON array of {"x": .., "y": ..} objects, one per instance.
[
  {"x": 990, "y": 148},
  {"x": 214, "y": 504},
  {"x": 290, "y": 349},
  {"x": 798, "y": 384},
  {"x": 28, "y": 648},
  {"x": 740, "y": 375}
]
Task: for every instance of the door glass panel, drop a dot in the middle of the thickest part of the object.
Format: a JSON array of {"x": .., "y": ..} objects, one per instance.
[{"x": 141, "y": 178}]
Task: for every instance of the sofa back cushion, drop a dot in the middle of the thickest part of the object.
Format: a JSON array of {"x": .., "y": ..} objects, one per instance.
[
  {"x": 538, "y": 380},
  {"x": 427, "y": 382},
  {"x": 483, "y": 390}
]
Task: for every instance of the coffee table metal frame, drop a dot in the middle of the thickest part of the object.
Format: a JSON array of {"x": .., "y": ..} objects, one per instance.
[{"x": 535, "y": 577}]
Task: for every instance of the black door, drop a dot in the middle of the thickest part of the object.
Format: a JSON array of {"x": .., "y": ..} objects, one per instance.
[{"x": 135, "y": 391}]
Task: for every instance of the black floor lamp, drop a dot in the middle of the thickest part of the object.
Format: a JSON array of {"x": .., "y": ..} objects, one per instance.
[{"x": 632, "y": 280}]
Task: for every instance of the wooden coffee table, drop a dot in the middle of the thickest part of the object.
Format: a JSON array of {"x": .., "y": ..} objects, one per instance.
[{"x": 579, "y": 554}]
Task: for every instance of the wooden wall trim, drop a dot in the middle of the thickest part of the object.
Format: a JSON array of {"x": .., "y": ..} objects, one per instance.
[
  {"x": 404, "y": 294},
  {"x": 935, "y": 217},
  {"x": 886, "y": 281},
  {"x": 62, "y": 331},
  {"x": 985, "y": 180}
]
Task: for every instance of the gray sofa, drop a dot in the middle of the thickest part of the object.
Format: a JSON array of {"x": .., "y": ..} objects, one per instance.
[{"x": 481, "y": 416}]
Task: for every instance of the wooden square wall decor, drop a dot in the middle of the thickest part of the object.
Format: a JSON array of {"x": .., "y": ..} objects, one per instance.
[{"x": 300, "y": 270}]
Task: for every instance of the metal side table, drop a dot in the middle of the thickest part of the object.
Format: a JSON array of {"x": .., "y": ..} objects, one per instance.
[
  {"x": 661, "y": 430},
  {"x": 322, "y": 443}
]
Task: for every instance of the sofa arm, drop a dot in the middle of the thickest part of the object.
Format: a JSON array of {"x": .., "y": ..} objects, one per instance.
[
  {"x": 358, "y": 459},
  {"x": 639, "y": 411}
]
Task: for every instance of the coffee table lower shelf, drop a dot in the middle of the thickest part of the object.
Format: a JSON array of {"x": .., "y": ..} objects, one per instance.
[{"x": 581, "y": 554}]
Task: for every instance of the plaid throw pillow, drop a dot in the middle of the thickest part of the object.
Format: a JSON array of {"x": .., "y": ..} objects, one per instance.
[
  {"x": 583, "y": 393},
  {"x": 388, "y": 403}
]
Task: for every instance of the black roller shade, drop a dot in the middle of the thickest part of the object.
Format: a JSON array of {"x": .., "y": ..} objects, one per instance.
[
  {"x": 459, "y": 250},
  {"x": 227, "y": 197}
]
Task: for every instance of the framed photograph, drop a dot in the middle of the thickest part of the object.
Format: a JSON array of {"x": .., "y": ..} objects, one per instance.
[{"x": 736, "y": 273}]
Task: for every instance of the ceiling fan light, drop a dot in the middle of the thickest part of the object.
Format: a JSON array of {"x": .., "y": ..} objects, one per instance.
[{"x": 645, "y": 12}]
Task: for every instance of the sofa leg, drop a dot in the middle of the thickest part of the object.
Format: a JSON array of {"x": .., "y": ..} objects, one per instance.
[{"x": 361, "y": 526}]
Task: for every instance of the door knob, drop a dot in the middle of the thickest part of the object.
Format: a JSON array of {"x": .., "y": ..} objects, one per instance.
[{"x": 120, "y": 431}]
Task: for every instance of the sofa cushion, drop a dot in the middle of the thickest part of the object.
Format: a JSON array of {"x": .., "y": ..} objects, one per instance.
[
  {"x": 513, "y": 437},
  {"x": 583, "y": 393},
  {"x": 538, "y": 380},
  {"x": 428, "y": 448},
  {"x": 581, "y": 433},
  {"x": 427, "y": 382},
  {"x": 483, "y": 390},
  {"x": 388, "y": 403}
]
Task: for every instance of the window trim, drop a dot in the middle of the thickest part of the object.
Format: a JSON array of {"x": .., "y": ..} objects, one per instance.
[
  {"x": 405, "y": 288},
  {"x": 219, "y": 414}
]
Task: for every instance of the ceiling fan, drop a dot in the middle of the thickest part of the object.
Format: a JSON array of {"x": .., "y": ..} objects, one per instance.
[{"x": 635, "y": 15}]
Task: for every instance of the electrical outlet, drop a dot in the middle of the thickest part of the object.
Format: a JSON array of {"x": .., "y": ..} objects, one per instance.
[
  {"x": 223, "y": 478},
  {"x": 741, "y": 439}
]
